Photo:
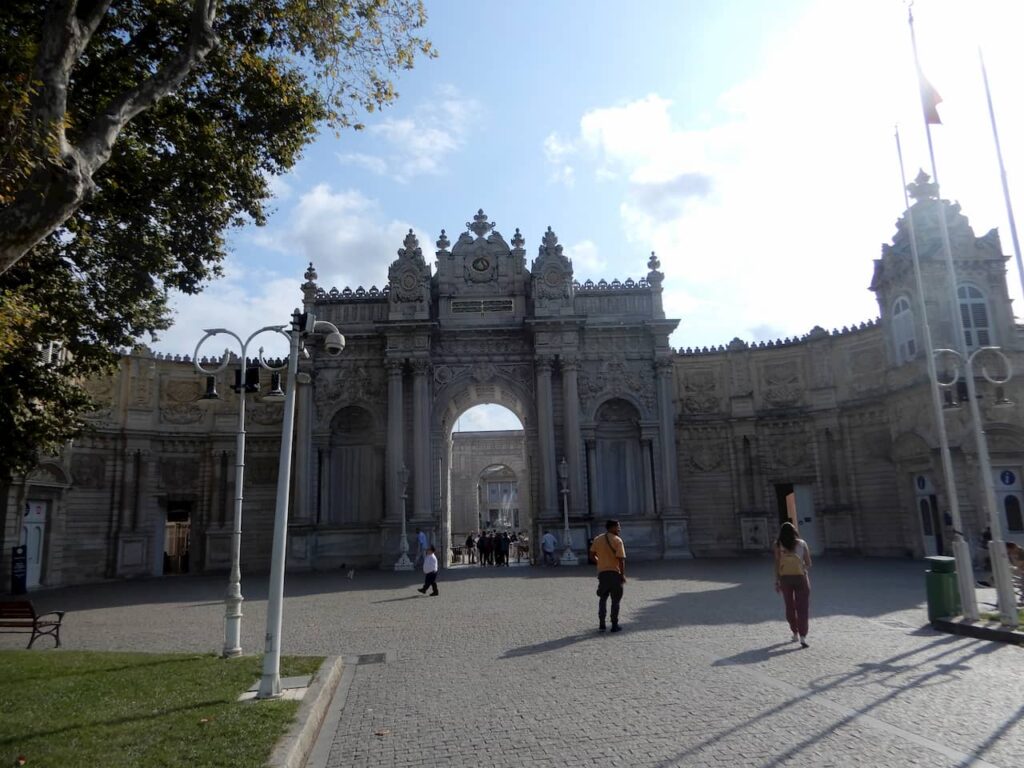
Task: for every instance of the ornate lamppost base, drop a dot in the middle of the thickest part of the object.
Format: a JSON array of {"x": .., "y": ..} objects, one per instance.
[
  {"x": 404, "y": 563},
  {"x": 568, "y": 557}
]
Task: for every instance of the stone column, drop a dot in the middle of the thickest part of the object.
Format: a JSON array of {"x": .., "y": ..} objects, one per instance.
[
  {"x": 592, "y": 475},
  {"x": 546, "y": 437},
  {"x": 395, "y": 437},
  {"x": 647, "y": 451},
  {"x": 421, "y": 438},
  {"x": 571, "y": 411},
  {"x": 323, "y": 470},
  {"x": 302, "y": 509},
  {"x": 667, "y": 423}
]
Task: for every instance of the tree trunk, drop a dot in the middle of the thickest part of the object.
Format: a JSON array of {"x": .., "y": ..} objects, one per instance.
[{"x": 50, "y": 196}]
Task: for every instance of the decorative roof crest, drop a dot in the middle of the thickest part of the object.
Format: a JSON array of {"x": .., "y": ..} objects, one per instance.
[
  {"x": 517, "y": 239},
  {"x": 412, "y": 248},
  {"x": 921, "y": 187},
  {"x": 549, "y": 244},
  {"x": 480, "y": 226}
]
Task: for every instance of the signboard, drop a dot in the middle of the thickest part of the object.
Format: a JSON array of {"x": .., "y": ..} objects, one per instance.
[{"x": 19, "y": 569}]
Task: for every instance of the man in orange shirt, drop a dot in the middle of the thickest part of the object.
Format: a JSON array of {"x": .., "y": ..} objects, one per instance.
[{"x": 610, "y": 553}]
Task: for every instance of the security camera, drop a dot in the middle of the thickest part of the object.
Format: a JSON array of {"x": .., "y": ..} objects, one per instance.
[{"x": 334, "y": 343}]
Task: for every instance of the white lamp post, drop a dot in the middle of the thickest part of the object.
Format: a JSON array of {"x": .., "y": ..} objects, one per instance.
[
  {"x": 996, "y": 547},
  {"x": 568, "y": 556},
  {"x": 303, "y": 326},
  {"x": 243, "y": 384},
  {"x": 403, "y": 563}
]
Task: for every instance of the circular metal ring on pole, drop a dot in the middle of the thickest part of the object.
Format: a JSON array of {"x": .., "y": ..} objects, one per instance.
[
  {"x": 937, "y": 354},
  {"x": 1005, "y": 361}
]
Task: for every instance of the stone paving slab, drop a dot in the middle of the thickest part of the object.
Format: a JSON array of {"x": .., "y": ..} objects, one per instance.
[{"x": 505, "y": 667}]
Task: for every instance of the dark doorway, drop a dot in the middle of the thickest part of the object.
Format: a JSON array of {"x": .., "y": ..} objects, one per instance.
[
  {"x": 177, "y": 536},
  {"x": 786, "y": 501}
]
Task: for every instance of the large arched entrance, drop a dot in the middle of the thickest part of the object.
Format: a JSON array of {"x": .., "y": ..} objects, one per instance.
[{"x": 483, "y": 463}]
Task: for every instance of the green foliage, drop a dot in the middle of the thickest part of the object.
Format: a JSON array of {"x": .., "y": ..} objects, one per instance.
[
  {"x": 132, "y": 709},
  {"x": 182, "y": 173}
]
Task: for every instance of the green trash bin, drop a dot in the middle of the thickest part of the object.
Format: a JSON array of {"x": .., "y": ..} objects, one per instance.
[{"x": 941, "y": 587}]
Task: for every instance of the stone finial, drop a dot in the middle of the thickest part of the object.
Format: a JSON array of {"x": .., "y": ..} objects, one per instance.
[
  {"x": 921, "y": 188},
  {"x": 480, "y": 226},
  {"x": 549, "y": 244},
  {"x": 309, "y": 287},
  {"x": 443, "y": 242},
  {"x": 654, "y": 277},
  {"x": 412, "y": 248},
  {"x": 517, "y": 239}
]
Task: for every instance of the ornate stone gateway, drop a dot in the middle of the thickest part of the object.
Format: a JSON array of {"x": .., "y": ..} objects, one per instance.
[{"x": 587, "y": 368}]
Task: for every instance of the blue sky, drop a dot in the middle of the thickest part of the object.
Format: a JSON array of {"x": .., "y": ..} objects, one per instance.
[{"x": 750, "y": 144}]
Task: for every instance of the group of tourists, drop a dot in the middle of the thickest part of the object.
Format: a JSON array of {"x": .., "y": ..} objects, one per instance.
[
  {"x": 495, "y": 547},
  {"x": 792, "y": 565}
]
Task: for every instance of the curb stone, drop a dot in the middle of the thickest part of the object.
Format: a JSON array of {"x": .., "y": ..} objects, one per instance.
[
  {"x": 980, "y": 631},
  {"x": 294, "y": 747}
]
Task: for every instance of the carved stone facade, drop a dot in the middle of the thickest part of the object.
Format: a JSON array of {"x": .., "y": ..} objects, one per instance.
[{"x": 698, "y": 452}]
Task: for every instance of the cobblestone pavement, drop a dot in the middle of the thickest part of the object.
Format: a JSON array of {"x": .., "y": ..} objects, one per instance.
[{"x": 505, "y": 667}]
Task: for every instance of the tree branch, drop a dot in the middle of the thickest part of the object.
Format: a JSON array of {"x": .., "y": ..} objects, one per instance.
[{"x": 98, "y": 140}]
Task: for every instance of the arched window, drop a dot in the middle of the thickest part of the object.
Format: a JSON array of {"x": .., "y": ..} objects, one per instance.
[
  {"x": 974, "y": 313},
  {"x": 903, "y": 330}
]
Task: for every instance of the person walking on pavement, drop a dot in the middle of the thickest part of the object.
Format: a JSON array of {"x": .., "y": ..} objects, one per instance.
[
  {"x": 792, "y": 562},
  {"x": 429, "y": 573},
  {"x": 421, "y": 545},
  {"x": 547, "y": 548},
  {"x": 610, "y": 554}
]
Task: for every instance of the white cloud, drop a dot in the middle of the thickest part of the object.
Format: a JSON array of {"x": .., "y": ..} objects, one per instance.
[
  {"x": 371, "y": 163},
  {"x": 232, "y": 303},
  {"x": 556, "y": 151},
  {"x": 766, "y": 217},
  {"x": 347, "y": 237},
  {"x": 344, "y": 234},
  {"x": 421, "y": 143},
  {"x": 487, "y": 418},
  {"x": 587, "y": 262}
]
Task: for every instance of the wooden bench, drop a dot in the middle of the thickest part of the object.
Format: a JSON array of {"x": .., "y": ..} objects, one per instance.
[{"x": 20, "y": 616}]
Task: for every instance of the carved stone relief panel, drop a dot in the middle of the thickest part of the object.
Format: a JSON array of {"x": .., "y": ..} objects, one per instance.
[
  {"x": 597, "y": 381},
  {"x": 741, "y": 382},
  {"x": 781, "y": 384},
  {"x": 265, "y": 413},
  {"x": 347, "y": 384},
  {"x": 485, "y": 372},
  {"x": 178, "y": 401},
  {"x": 178, "y": 473},
  {"x": 102, "y": 392},
  {"x": 143, "y": 373},
  {"x": 789, "y": 449},
  {"x": 707, "y": 455},
  {"x": 88, "y": 470},
  {"x": 493, "y": 344},
  {"x": 261, "y": 470},
  {"x": 865, "y": 370},
  {"x": 700, "y": 391}
]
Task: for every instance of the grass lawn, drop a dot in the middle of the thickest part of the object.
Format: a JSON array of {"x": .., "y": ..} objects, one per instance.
[{"x": 77, "y": 708}]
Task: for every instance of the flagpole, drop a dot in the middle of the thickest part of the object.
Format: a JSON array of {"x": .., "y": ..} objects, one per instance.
[
  {"x": 961, "y": 551},
  {"x": 997, "y": 547},
  {"x": 1002, "y": 173}
]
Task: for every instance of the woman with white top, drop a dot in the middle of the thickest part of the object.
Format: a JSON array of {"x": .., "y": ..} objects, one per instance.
[{"x": 792, "y": 562}]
